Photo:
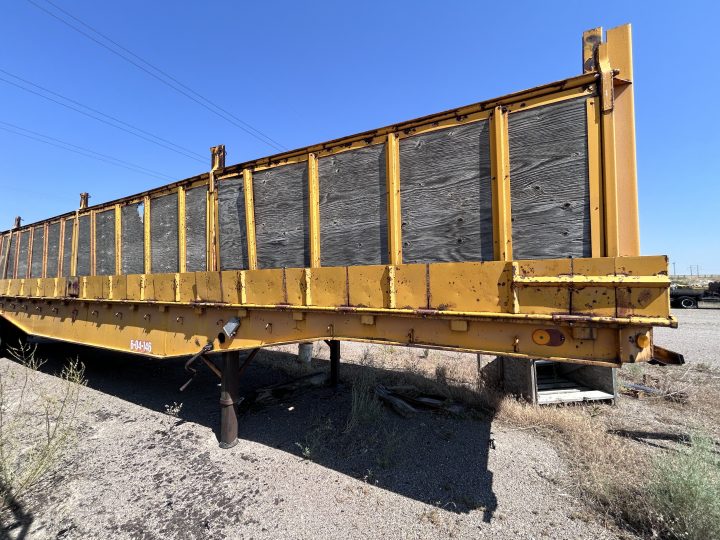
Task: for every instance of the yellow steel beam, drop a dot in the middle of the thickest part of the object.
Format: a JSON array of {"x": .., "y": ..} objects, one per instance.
[
  {"x": 79, "y": 322},
  {"x": 118, "y": 239},
  {"x": 93, "y": 254},
  {"x": 500, "y": 178},
  {"x": 147, "y": 253},
  {"x": 249, "y": 198},
  {"x": 43, "y": 271},
  {"x": 73, "y": 256},
  {"x": 61, "y": 248},
  {"x": 609, "y": 157},
  {"x": 619, "y": 53},
  {"x": 314, "y": 210},
  {"x": 182, "y": 230},
  {"x": 597, "y": 234},
  {"x": 394, "y": 215},
  {"x": 592, "y": 281}
]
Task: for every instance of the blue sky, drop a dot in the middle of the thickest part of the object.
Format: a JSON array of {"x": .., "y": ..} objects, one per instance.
[{"x": 305, "y": 72}]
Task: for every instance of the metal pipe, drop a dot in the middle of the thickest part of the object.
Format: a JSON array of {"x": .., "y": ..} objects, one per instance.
[
  {"x": 229, "y": 389},
  {"x": 334, "y": 361}
]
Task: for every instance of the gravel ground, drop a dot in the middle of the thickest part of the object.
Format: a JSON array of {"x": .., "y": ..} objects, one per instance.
[
  {"x": 139, "y": 473},
  {"x": 697, "y": 336}
]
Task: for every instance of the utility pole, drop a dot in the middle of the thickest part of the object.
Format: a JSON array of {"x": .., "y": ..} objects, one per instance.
[{"x": 674, "y": 270}]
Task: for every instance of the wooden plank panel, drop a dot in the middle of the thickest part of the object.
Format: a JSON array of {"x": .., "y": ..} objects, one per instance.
[
  {"x": 164, "y": 247},
  {"x": 36, "y": 263},
  {"x": 231, "y": 219},
  {"x": 53, "y": 252},
  {"x": 353, "y": 208},
  {"x": 24, "y": 252},
  {"x": 282, "y": 216},
  {"x": 11, "y": 256},
  {"x": 83, "y": 249},
  {"x": 132, "y": 238},
  {"x": 105, "y": 243},
  {"x": 196, "y": 229},
  {"x": 446, "y": 195},
  {"x": 549, "y": 181},
  {"x": 3, "y": 254}
]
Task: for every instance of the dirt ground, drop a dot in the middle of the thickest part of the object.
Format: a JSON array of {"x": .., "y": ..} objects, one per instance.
[{"x": 299, "y": 471}]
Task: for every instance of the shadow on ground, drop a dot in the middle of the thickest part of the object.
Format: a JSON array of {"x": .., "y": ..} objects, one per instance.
[{"x": 435, "y": 459}]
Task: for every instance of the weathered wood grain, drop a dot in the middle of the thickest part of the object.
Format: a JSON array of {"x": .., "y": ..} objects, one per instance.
[
  {"x": 53, "y": 251},
  {"x": 38, "y": 247},
  {"x": 281, "y": 216},
  {"x": 4, "y": 245},
  {"x": 549, "y": 185},
  {"x": 83, "y": 251},
  {"x": 67, "y": 248},
  {"x": 105, "y": 243},
  {"x": 164, "y": 247},
  {"x": 446, "y": 195},
  {"x": 231, "y": 218},
  {"x": 132, "y": 239},
  {"x": 196, "y": 229},
  {"x": 11, "y": 256},
  {"x": 22, "y": 270},
  {"x": 353, "y": 208}
]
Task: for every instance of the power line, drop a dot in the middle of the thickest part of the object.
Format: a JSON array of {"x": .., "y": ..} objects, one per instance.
[
  {"x": 99, "y": 119},
  {"x": 81, "y": 150},
  {"x": 113, "y": 118},
  {"x": 177, "y": 86}
]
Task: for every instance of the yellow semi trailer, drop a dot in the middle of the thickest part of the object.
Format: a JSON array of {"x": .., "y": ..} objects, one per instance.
[{"x": 507, "y": 227}]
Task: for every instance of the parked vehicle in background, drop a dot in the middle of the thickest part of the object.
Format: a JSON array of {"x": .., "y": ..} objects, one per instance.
[{"x": 688, "y": 298}]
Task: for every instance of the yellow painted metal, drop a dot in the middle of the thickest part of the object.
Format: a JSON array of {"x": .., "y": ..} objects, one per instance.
[
  {"x": 147, "y": 253},
  {"x": 619, "y": 51},
  {"x": 609, "y": 158},
  {"x": 73, "y": 256},
  {"x": 118, "y": 239},
  {"x": 314, "y": 210},
  {"x": 500, "y": 172},
  {"x": 43, "y": 272},
  {"x": 597, "y": 237},
  {"x": 394, "y": 216},
  {"x": 182, "y": 237},
  {"x": 250, "y": 219},
  {"x": 93, "y": 235},
  {"x": 61, "y": 248}
]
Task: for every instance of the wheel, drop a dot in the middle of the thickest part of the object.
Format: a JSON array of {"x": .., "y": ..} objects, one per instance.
[{"x": 687, "y": 302}]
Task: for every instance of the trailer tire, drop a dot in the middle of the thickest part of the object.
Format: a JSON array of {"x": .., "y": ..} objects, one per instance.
[{"x": 687, "y": 302}]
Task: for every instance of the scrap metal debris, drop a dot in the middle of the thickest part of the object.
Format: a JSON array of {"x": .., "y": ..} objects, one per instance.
[
  {"x": 641, "y": 391},
  {"x": 407, "y": 400},
  {"x": 275, "y": 392}
]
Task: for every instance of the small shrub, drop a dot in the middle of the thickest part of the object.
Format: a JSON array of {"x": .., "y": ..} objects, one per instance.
[
  {"x": 685, "y": 491},
  {"x": 174, "y": 409},
  {"x": 37, "y": 424},
  {"x": 366, "y": 407}
]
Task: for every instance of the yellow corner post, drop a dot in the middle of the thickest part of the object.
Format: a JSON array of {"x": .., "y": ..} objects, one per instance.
[
  {"x": 146, "y": 233},
  {"x": 392, "y": 151},
  {"x": 314, "y": 210},
  {"x": 500, "y": 173},
  {"x": 250, "y": 219},
  {"x": 182, "y": 240}
]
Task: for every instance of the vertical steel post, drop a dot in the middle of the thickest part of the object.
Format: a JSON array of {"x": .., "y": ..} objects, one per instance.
[
  {"x": 394, "y": 214},
  {"x": 249, "y": 197},
  {"x": 229, "y": 390},
  {"x": 314, "y": 210},
  {"x": 500, "y": 171},
  {"x": 334, "y": 361}
]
